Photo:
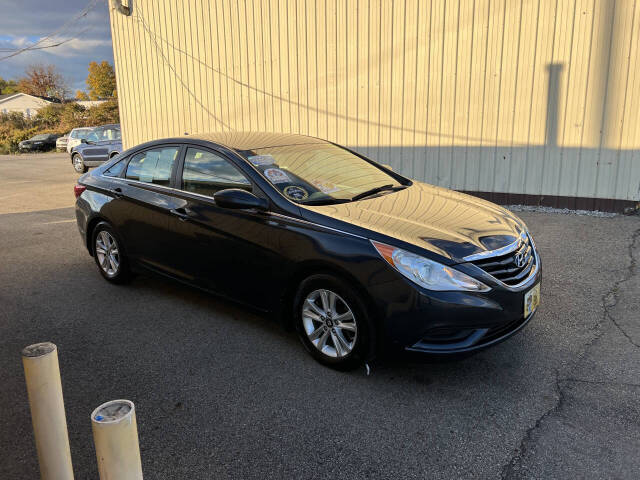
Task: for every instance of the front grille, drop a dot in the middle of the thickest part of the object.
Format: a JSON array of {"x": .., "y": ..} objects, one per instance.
[{"x": 505, "y": 267}]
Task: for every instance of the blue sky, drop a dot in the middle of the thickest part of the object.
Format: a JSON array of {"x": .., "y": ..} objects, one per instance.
[{"x": 25, "y": 21}]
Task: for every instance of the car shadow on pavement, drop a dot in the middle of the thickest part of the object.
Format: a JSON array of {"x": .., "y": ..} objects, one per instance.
[{"x": 387, "y": 366}]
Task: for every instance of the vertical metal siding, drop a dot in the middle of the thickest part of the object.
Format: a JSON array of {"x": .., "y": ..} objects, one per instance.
[{"x": 537, "y": 97}]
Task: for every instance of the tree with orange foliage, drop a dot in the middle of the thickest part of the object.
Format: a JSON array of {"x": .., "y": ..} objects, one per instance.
[{"x": 43, "y": 81}]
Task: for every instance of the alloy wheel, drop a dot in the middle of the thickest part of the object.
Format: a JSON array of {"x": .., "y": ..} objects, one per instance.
[
  {"x": 77, "y": 163},
  {"x": 107, "y": 253},
  {"x": 329, "y": 323}
]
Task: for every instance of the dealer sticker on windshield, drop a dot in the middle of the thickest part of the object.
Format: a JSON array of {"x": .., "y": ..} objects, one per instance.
[
  {"x": 262, "y": 160},
  {"x": 531, "y": 300},
  {"x": 325, "y": 186},
  {"x": 275, "y": 175},
  {"x": 296, "y": 193}
]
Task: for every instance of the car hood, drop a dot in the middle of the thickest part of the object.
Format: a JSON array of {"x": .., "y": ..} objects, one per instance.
[{"x": 451, "y": 224}]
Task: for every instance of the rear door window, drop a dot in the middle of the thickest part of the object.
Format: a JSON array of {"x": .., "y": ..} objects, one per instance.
[
  {"x": 153, "y": 166},
  {"x": 206, "y": 173}
]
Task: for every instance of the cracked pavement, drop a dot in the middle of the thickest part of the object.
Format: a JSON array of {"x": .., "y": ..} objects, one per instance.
[
  {"x": 222, "y": 393},
  {"x": 593, "y": 430}
]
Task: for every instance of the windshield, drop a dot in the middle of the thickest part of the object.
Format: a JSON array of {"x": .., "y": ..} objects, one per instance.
[
  {"x": 318, "y": 173},
  {"x": 42, "y": 136},
  {"x": 104, "y": 133},
  {"x": 81, "y": 133}
]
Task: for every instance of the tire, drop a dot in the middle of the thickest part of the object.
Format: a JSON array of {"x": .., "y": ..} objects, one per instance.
[
  {"x": 78, "y": 163},
  {"x": 342, "y": 345},
  {"x": 109, "y": 254}
]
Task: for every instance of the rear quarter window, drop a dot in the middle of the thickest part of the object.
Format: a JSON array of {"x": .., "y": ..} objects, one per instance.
[{"x": 115, "y": 170}]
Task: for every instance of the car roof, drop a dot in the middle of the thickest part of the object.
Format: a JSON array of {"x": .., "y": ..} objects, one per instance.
[{"x": 254, "y": 140}]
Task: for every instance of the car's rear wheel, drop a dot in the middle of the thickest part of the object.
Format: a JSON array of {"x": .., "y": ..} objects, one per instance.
[
  {"x": 332, "y": 322},
  {"x": 78, "y": 163},
  {"x": 109, "y": 254}
]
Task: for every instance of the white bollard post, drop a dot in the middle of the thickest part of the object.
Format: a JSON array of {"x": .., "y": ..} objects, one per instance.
[
  {"x": 42, "y": 376},
  {"x": 115, "y": 435}
]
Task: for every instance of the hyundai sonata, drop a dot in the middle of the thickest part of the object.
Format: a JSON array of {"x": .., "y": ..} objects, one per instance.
[{"x": 357, "y": 258}]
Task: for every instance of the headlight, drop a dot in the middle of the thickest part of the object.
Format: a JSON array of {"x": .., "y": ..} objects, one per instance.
[{"x": 427, "y": 273}]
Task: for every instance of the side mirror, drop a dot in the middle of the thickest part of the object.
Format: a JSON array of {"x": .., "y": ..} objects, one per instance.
[
  {"x": 388, "y": 167},
  {"x": 237, "y": 198},
  {"x": 83, "y": 140}
]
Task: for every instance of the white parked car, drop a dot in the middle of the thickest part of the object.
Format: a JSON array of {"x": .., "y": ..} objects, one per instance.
[
  {"x": 76, "y": 136},
  {"x": 61, "y": 143}
]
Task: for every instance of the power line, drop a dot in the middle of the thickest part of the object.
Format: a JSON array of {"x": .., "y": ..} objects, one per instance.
[
  {"x": 53, "y": 45},
  {"x": 56, "y": 33}
]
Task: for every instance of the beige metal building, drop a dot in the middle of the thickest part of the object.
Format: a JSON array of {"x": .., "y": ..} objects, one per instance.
[{"x": 532, "y": 101}]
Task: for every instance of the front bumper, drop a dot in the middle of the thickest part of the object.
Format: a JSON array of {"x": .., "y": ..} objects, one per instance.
[
  {"x": 32, "y": 148},
  {"x": 445, "y": 323},
  {"x": 470, "y": 340}
]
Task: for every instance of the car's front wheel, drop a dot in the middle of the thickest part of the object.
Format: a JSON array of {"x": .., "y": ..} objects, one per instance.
[
  {"x": 332, "y": 323},
  {"x": 78, "y": 163},
  {"x": 109, "y": 254}
]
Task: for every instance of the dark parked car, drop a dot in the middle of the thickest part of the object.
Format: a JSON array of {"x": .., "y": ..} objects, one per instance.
[
  {"x": 352, "y": 255},
  {"x": 41, "y": 142},
  {"x": 101, "y": 144}
]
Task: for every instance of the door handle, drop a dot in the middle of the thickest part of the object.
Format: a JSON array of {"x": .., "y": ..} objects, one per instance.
[{"x": 181, "y": 213}]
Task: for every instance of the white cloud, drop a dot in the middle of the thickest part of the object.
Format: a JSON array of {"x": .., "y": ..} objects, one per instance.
[
  {"x": 79, "y": 46},
  {"x": 18, "y": 42}
]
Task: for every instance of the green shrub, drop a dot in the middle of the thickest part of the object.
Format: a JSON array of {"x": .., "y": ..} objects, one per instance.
[
  {"x": 15, "y": 120},
  {"x": 10, "y": 138},
  {"x": 49, "y": 116},
  {"x": 73, "y": 116},
  {"x": 104, "y": 113}
]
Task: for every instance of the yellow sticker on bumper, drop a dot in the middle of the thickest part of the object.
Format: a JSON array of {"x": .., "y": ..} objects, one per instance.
[{"x": 531, "y": 300}]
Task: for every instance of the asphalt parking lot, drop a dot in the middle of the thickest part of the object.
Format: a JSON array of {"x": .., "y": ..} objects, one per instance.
[{"x": 223, "y": 393}]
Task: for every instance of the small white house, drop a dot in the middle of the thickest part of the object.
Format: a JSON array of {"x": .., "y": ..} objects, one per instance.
[
  {"x": 89, "y": 103},
  {"x": 22, "y": 102}
]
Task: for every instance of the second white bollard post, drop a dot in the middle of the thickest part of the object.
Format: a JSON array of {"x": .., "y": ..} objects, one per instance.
[{"x": 115, "y": 435}]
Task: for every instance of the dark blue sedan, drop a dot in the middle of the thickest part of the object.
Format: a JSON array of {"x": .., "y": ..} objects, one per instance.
[{"x": 102, "y": 144}]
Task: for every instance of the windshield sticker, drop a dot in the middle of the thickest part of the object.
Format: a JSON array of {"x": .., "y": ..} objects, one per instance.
[
  {"x": 262, "y": 160},
  {"x": 325, "y": 186},
  {"x": 296, "y": 193},
  {"x": 275, "y": 175}
]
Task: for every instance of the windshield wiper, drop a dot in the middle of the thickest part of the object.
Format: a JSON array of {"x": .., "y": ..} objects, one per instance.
[
  {"x": 327, "y": 201},
  {"x": 375, "y": 190}
]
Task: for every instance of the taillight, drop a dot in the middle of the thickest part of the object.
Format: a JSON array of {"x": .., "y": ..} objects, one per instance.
[{"x": 78, "y": 189}]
